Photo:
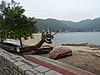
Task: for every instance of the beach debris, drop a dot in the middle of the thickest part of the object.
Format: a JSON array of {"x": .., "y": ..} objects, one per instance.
[
  {"x": 97, "y": 55},
  {"x": 83, "y": 44},
  {"x": 59, "y": 52}
]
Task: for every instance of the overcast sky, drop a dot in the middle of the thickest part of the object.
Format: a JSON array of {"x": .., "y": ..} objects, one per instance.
[{"x": 73, "y": 10}]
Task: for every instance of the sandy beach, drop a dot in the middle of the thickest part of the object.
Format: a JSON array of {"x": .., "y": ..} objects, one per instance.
[{"x": 84, "y": 57}]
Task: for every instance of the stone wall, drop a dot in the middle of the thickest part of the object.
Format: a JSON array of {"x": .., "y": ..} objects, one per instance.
[{"x": 12, "y": 64}]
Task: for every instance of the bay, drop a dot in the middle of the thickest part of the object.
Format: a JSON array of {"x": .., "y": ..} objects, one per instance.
[{"x": 77, "y": 38}]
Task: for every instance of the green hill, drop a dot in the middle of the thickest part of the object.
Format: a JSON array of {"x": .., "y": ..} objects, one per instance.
[
  {"x": 85, "y": 25},
  {"x": 54, "y": 25}
]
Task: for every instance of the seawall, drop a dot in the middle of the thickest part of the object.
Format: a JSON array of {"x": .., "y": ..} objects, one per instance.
[{"x": 12, "y": 64}]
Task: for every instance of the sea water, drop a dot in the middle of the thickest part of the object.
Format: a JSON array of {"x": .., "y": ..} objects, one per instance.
[{"x": 77, "y": 38}]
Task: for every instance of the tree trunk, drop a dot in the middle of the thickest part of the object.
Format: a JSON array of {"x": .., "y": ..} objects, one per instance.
[
  {"x": 2, "y": 40},
  {"x": 20, "y": 41}
]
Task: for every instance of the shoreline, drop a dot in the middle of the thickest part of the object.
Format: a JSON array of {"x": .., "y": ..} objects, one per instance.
[{"x": 82, "y": 44}]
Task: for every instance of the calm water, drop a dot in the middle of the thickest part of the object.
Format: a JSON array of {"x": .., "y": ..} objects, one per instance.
[{"x": 77, "y": 37}]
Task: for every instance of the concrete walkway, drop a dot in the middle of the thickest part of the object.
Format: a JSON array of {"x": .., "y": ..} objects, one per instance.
[{"x": 59, "y": 67}]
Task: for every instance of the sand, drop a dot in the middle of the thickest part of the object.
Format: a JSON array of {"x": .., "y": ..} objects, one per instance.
[{"x": 83, "y": 57}]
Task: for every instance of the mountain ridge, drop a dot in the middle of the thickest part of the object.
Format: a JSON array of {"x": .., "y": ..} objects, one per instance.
[
  {"x": 86, "y": 25},
  {"x": 54, "y": 25},
  {"x": 69, "y": 26}
]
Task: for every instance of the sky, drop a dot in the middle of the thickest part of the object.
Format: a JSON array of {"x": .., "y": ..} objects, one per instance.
[{"x": 72, "y": 10}]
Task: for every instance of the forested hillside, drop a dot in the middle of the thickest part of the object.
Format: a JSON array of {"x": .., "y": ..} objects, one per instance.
[
  {"x": 69, "y": 26},
  {"x": 54, "y": 25},
  {"x": 85, "y": 25}
]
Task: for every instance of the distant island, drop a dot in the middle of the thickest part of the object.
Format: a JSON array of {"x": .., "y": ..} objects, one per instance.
[{"x": 87, "y": 25}]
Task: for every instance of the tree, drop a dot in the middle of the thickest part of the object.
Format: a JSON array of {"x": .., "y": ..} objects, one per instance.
[
  {"x": 3, "y": 31},
  {"x": 15, "y": 22}
]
